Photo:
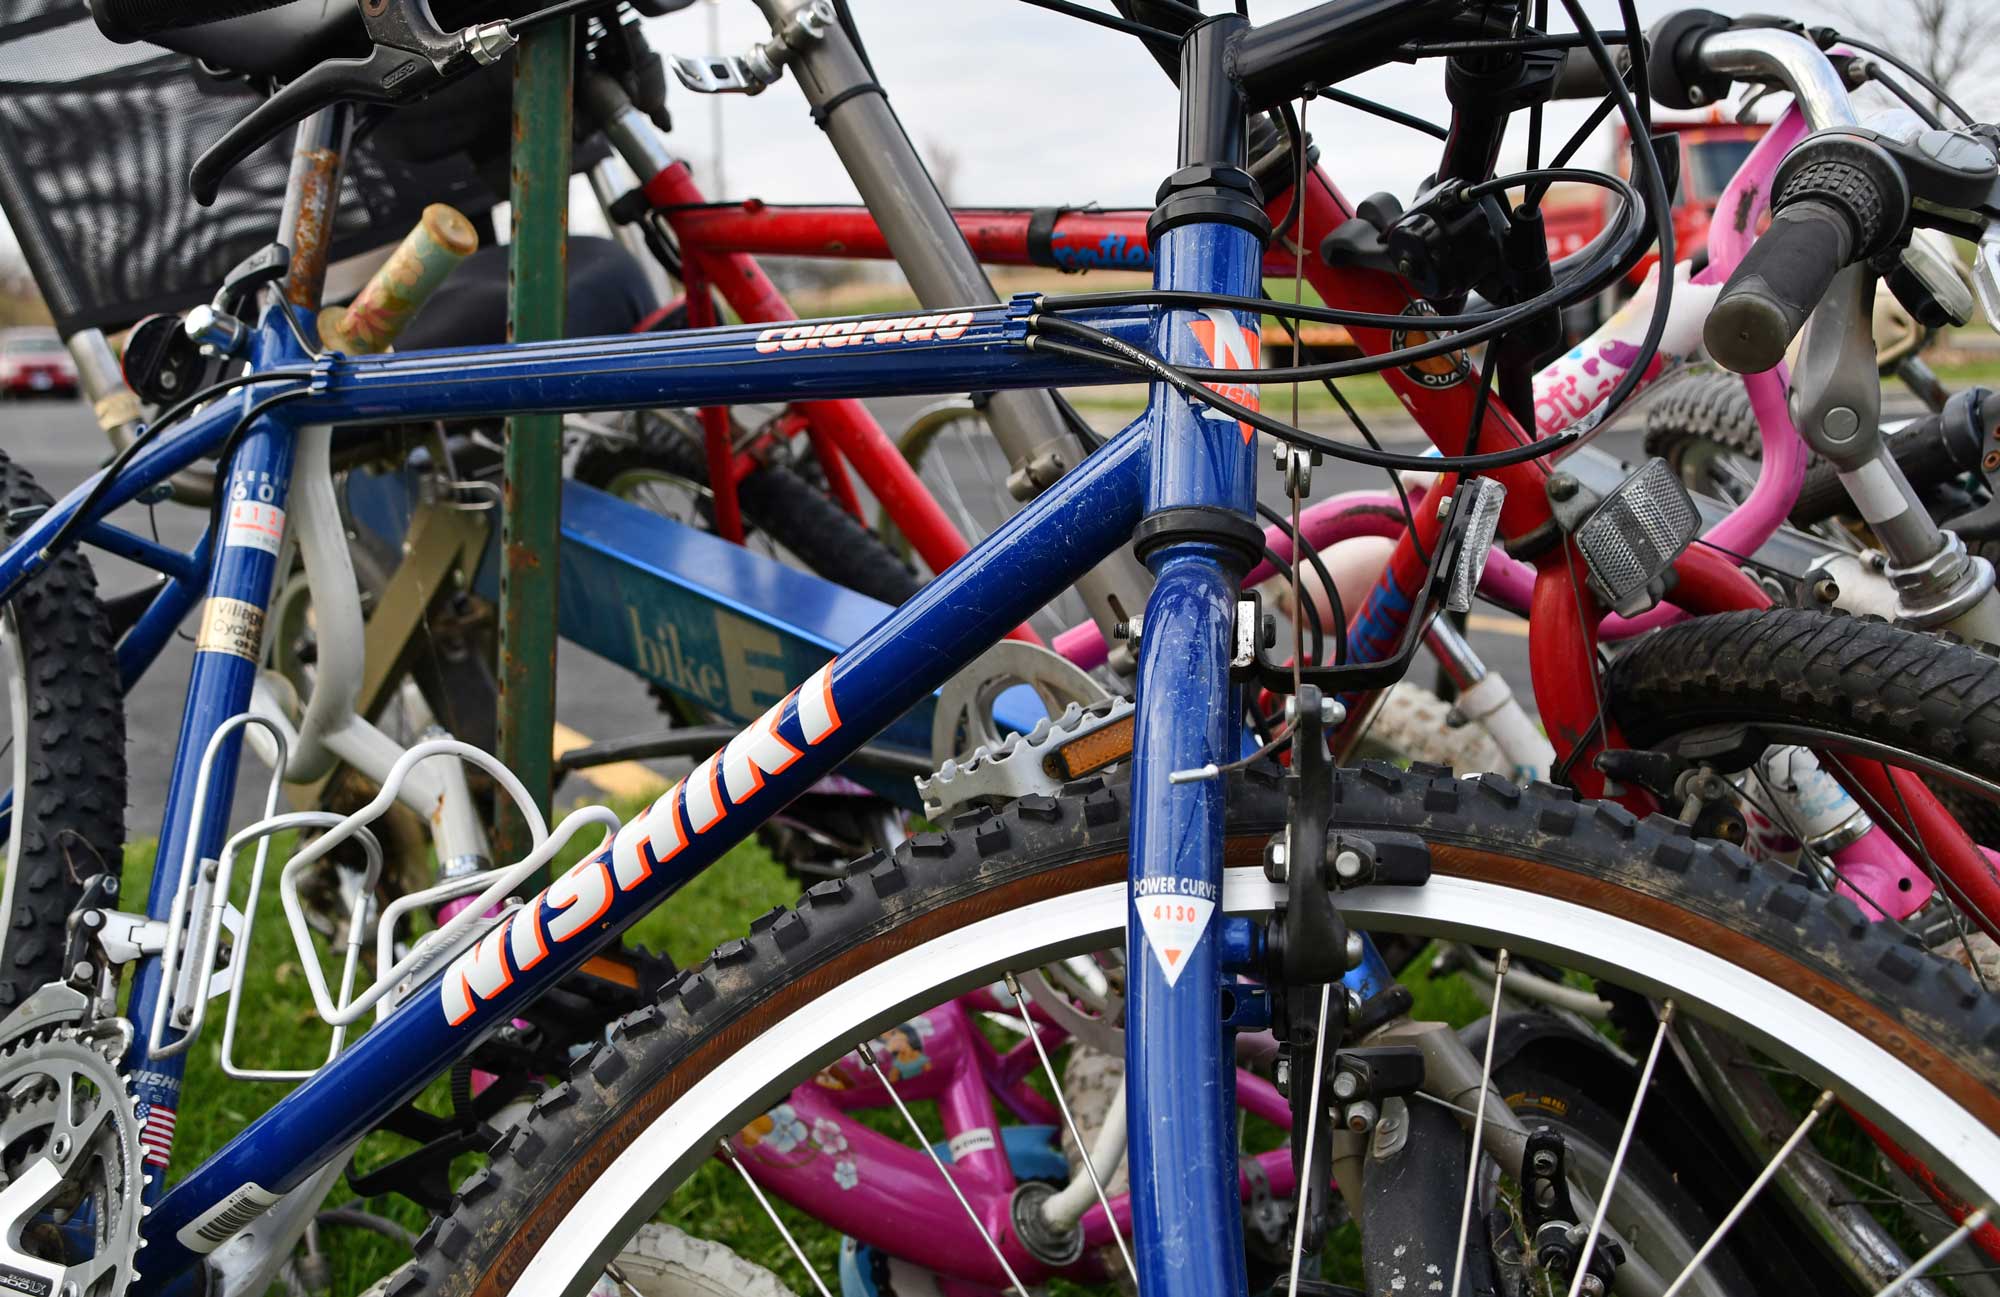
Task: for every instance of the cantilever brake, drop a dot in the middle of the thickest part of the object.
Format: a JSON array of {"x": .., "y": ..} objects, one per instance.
[{"x": 412, "y": 57}]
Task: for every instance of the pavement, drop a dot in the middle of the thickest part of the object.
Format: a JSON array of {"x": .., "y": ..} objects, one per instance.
[{"x": 59, "y": 443}]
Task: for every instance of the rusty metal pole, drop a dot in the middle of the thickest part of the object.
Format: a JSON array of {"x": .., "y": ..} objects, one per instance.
[{"x": 537, "y": 276}]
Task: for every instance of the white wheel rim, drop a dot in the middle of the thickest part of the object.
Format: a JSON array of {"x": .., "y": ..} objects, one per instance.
[
  {"x": 15, "y": 664},
  {"x": 1778, "y": 1021}
]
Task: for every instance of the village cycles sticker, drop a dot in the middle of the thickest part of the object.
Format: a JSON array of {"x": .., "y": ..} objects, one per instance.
[
  {"x": 1173, "y": 913},
  {"x": 1434, "y": 372},
  {"x": 231, "y": 626}
]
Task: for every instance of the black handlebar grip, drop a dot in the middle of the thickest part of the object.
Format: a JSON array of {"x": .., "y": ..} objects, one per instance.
[
  {"x": 126, "y": 21},
  {"x": 1787, "y": 271},
  {"x": 1822, "y": 495}
]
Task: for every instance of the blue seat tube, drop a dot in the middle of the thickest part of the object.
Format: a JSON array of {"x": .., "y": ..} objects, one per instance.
[
  {"x": 256, "y": 481},
  {"x": 1208, "y": 235}
]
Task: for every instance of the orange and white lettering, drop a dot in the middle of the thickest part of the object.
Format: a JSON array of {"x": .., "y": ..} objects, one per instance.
[
  {"x": 633, "y": 855},
  {"x": 583, "y": 895},
  {"x": 795, "y": 338},
  {"x": 817, "y": 715},
  {"x": 954, "y": 325},
  {"x": 890, "y": 330},
  {"x": 479, "y": 974},
  {"x": 703, "y": 796},
  {"x": 922, "y": 328},
  {"x": 524, "y": 934},
  {"x": 767, "y": 341},
  {"x": 756, "y": 752},
  {"x": 1229, "y": 346},
  {"x": 835, "y": 333}
]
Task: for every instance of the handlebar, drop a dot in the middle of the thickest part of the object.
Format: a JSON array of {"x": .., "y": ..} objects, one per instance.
[
  {"x": 126, "y": 21},
  {"x": 1932, "y": 450},
  {"x": 1776, "y": 286},
  {"x": 1579, "y": 77},
  {"x": 1841, "y": 198}
]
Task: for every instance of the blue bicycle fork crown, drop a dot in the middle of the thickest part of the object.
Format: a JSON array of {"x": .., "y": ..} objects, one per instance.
[{"x": 1208, "y": 234}]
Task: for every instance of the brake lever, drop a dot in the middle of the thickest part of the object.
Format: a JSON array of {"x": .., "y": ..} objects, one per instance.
[
  {"x": 412, "y": 56},
  {"x": 1986, "y": 274}
]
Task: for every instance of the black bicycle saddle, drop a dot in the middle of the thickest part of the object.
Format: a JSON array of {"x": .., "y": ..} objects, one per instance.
[{"x": 278, "y": 44}]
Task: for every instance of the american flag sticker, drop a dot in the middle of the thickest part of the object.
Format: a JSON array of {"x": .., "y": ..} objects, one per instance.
[{"x": 156, "y": 1132}]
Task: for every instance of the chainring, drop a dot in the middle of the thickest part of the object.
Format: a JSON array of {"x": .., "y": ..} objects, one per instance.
[{"x": 72, "y": 1171}]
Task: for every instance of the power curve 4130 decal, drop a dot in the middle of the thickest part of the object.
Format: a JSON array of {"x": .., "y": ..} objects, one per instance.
[{"x": 696, "y": 805}]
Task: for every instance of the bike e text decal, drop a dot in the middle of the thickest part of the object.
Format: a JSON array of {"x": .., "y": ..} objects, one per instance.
[
  {"x": 854, "y": 333},
  {"x": 1229, "y": 346},
  {"x": 573, "y": 903},
  {"x": 1174, "y": 913}
]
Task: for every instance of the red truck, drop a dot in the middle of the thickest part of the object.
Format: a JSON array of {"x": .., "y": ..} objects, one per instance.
[{"x": 1711, "y": 151}]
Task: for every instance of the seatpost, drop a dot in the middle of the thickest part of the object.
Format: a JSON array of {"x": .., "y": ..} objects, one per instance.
[
  {"x": 312, "y": 196},
  {"x": 942, "y": 270},
  {"x": 1208, "y": 234}
]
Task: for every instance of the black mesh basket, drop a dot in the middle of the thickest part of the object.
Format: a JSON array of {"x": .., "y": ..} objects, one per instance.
[{"x": 95, "y": 144}]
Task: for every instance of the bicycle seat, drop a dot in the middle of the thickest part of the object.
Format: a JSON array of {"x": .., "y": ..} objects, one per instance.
[
  {"x": 276, "y": 43},
  {"x": 608, "y": 293}
]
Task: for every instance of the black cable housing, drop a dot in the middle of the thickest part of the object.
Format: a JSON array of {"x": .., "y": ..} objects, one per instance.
[
  {"x": 1117, "y": 354},
  {"x": 65, "y": 535}
]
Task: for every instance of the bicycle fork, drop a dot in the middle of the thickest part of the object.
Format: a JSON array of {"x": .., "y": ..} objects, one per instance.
[{"x": 1208, "y": 233}]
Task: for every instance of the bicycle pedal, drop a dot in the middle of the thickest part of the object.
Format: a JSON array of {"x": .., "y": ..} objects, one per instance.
[{"x": 1630, "y": 540}]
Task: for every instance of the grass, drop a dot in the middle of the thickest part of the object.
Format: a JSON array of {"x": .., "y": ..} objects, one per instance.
[{"x": 279, "y": 1028}]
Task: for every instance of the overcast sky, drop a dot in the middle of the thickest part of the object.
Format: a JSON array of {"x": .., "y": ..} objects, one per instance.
[{"x": 1040, "y": 108}]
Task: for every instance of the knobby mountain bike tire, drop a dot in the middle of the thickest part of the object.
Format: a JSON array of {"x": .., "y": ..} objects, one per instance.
[
  {"x": 1931, "y": 696},
  {"x": 66, "y": 751},
  {"x": 1583, "y": 884}
]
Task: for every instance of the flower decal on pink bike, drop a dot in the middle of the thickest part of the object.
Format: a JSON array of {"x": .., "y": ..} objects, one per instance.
[
  {"x": 845, "y": 1175},
  {"x": 826, "y": 1134},
  {"x": 777, "y": 1134}
]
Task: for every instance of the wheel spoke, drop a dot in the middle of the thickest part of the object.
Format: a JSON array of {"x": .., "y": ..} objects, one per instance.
[
  {"x": 1500, "y": 963},
  {"x": 757, "y": 1192},
  {"x": 1624, "y": 1145},
  {"x": 867, "y": 1052},
  {"x": 1936, "y": 1254},
  {"x": 1312, "y": 1135},
  {"x": 1764, "y": 1177},
  {"x": 1905, "y": 831},
  {"x": 1062, "y": 1106}
]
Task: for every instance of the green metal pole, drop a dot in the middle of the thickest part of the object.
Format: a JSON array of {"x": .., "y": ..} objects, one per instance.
[{"x": 536, "y": 279}]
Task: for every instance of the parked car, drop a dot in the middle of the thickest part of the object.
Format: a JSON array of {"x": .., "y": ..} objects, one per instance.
[{"x": 34, "y": 362}]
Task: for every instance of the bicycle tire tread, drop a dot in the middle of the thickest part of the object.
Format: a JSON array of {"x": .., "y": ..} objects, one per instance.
[
  {"x": 75, "y": 826},
  {"x": 1931, "y": 694},
  {"x": 987, "y": 856}
]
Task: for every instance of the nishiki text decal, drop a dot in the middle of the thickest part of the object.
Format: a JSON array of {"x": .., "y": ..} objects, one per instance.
[
  {"x": 573, "y": 903},
  {"x": 1229, "y": 346},
  {"x": 855, "y": 333},
  {"x": 1173, "y": 912}
]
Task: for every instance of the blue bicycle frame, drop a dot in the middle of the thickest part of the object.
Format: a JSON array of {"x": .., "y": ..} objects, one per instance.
[{"x": 1183, "y": 470}]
